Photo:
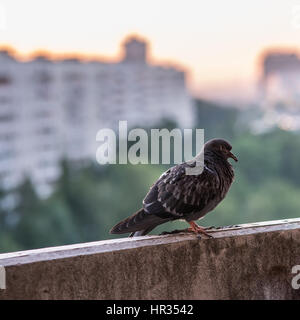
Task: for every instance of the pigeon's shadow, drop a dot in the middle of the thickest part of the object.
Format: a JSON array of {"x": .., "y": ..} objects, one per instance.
[
  {"x": 190, "y": 231},
  {"x": 175, "y": 231}
]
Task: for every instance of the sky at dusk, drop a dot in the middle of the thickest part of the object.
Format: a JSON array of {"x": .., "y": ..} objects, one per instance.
[{"x": 219, "y": 42}]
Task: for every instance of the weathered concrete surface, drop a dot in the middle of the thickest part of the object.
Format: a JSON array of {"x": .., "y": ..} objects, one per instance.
[{"x": 248, "y": 262}]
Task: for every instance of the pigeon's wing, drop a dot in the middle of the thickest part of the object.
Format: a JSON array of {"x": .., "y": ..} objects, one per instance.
[{"x": 176, "y": 195}]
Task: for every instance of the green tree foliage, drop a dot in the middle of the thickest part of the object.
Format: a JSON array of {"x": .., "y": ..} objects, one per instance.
[
  {"x": 216, "y": 120},
  {"x": 85, "y": 205},
  {"x": 87, "y": 202}
]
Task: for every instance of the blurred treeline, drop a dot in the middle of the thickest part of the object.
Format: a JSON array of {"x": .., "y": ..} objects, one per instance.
[{"x": 88, "y": 202}]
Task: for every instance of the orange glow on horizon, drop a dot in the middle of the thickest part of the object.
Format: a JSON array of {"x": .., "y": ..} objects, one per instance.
[
  {"x": 90, "y": 56},
  {"x": 218, "y": 42}
]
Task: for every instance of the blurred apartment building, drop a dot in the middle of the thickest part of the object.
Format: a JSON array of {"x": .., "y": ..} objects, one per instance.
[
  {"x": 281, "y": 80},
  {"x": 280, "y": 90},
  {"x": 52, "y": 109}
]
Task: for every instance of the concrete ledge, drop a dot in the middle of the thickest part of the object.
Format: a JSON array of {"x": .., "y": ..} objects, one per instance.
[{"x": 252, "y": 261}]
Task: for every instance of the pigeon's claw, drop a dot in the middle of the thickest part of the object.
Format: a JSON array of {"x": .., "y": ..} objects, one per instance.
[{"x": 197, "y": 229}]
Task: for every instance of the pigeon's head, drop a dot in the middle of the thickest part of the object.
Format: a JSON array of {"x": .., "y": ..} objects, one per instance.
[{"x": 221, "y": 147}]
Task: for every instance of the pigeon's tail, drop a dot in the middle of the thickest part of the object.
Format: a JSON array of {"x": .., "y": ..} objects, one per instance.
[{"x": 139, "y": 224}]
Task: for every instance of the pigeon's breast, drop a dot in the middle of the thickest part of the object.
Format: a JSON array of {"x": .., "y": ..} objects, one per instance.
[{"x": 221, "y": 185}]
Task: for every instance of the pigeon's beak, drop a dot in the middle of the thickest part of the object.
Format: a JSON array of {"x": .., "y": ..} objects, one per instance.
[{"x": 231, "y": 155}]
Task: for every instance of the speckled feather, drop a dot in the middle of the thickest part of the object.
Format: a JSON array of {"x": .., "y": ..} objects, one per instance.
[{"x": 179, "y": 196}]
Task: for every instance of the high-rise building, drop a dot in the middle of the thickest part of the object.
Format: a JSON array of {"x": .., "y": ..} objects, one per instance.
[
  {"x": 280, "y": 82},
  {"x": 50, "y": 109},
  {"x": 135, "y": 50},
  {"x": 279, "y": 88}
]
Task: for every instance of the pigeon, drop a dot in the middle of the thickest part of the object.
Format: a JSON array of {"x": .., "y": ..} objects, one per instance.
[{"x": 178, "y": 195}]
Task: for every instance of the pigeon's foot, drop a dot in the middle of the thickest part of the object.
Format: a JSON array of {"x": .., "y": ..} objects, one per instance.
[{"x": 198, "y": 230}]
